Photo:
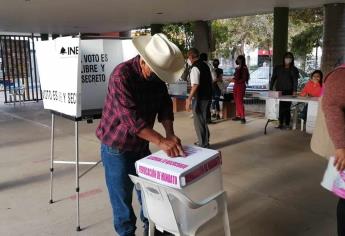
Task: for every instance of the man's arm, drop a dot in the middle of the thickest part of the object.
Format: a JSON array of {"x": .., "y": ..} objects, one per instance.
[{"x": 192, "y": 93}]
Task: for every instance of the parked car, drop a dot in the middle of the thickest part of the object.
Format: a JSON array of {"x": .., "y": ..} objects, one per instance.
[{"x": 259, "y": 80}]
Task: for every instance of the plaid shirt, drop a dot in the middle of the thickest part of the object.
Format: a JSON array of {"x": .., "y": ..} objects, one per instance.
[{"x": 132, "y": 103}]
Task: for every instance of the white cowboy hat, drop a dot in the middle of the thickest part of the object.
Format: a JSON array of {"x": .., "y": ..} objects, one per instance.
[{"x": 162, "y": 56}]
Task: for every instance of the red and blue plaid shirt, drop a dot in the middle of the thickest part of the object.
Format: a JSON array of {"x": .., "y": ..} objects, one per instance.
[{"x": 132, "y": 103}]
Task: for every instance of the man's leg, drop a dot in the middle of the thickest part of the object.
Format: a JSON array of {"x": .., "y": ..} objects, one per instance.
[
  {"x": 204, "y": 131},
  {"x": 198, "y": 124},
  {"x": 120, "y": 188}
]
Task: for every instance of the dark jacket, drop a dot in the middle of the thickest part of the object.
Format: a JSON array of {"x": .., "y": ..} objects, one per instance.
[
  {"x": 284, "y": 79},
  {"x": 205, "y": 83}
]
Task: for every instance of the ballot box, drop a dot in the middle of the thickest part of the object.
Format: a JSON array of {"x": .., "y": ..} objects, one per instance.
[
  {"x": 201, "y": 167},
  {"x": 197, "y": 176}
]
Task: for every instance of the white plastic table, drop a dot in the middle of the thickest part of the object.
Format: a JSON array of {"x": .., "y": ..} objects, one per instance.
[{"x": 272, "y": 109}]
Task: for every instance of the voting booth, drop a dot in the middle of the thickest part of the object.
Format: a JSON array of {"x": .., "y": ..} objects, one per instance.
[
  {"x": 74, "y": 76},
  {"x": 196, "y": 177}
]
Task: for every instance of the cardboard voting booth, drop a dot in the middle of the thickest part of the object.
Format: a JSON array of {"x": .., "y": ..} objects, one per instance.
[{"x": 74, "y": 73}]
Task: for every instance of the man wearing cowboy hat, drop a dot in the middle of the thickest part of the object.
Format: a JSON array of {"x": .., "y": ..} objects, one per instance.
[{"x": 136, "y": 95}]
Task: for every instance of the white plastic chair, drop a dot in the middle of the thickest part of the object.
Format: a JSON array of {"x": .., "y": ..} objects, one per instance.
[{"x": 169, "y": 210}]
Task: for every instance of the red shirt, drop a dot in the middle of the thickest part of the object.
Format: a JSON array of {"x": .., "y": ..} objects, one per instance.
[
  {"x": 241, "y": 75},
  {"x": 132, "y": 103},
  {"x": 312, "y": 89}
]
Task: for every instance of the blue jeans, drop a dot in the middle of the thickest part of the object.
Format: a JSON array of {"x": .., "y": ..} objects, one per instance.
[{"x": 117, "y": 166}]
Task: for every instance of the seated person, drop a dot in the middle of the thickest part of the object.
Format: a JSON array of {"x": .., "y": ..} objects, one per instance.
[{"x": 313, "y": 88}]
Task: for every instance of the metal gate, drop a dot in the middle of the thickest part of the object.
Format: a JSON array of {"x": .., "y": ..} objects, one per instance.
[{"x": 19, "y": 75}]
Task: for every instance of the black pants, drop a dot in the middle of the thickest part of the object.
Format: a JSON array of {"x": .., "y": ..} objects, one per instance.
[
  {"x": 285, "y": 110},
  {"x": 341, "y": 217}
]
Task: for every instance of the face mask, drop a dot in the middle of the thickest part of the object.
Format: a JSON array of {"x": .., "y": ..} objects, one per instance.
[
  {"x": 287, "y": 60},
  {"x": 189, "y": 62}
]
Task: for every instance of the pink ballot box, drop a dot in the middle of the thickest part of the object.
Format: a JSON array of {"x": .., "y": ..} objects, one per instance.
[{"x": 181, "y": 171}]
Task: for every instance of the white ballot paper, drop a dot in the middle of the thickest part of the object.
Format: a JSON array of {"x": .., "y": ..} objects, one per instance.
[
  {"x": 180, "y": 171},
  {"x": 333, "y": 180}
]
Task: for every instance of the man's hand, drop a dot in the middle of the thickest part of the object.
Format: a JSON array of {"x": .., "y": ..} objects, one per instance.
[
  {"x": 188, "y": 104},
  {"x": 339, "y": 162},
  {"x": 172, "y": 146}
]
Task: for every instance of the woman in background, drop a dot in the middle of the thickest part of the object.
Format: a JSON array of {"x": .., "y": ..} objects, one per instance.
[
  {"x": 285, "y": 79},
  {"x": 333, "y": 105},
  {"x": 313, "y": 88},
  {"x": 240, "y": 80}
]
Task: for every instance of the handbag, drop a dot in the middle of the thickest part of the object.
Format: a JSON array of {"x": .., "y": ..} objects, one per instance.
[{"x": 321, "y": 143}]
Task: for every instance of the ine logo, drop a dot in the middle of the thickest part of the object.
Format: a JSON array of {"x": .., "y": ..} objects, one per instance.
[
  {"x": 70, "y": 51},
  {"x": 63, "y": 51}
]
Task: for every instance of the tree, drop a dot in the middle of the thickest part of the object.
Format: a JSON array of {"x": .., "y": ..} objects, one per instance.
[
  {"x": 181, "y": 34},
  {"x": 303, "y": 43},
  {"x": 231, "y": 35},
  {"x": 305, "y": 32}
]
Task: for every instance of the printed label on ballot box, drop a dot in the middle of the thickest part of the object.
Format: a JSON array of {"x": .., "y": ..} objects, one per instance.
[{"x": 181, "y": 171}]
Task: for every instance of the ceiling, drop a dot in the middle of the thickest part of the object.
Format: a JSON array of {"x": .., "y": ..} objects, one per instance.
[{"x": 73, "y": 16}]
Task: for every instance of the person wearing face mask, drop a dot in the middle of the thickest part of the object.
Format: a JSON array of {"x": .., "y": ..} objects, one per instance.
[
  {"x": 241, "y": 78},
  {"x": 136, "y": 95},
  {"x": 285, "y": 79},
  {"x": 217, "y": 87},
  {"x": 201, "y": 93}
]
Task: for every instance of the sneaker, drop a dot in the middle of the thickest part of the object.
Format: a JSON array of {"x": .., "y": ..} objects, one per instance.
[
  {"x": 243, "y": 121},
  {"x": 236, "y": 118}
]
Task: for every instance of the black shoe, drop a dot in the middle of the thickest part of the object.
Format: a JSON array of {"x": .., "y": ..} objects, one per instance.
[
  {"x": 218, "y": 117},
  {"x": 243, "y": 121},
  {"x": 213, "y": 116},
  {"x": 236, "y": 118}
]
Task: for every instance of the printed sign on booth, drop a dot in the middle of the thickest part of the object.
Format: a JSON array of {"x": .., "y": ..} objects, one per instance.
[{"x": 74, "y": 73}]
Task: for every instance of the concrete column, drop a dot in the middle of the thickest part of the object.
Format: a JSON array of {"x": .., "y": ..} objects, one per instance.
[
  {"x": 202, "y": 36},
  {"x": 156, "y": 28},
  {"x": 280, "y": 34},
  {"x": 333, "y": 36}
]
